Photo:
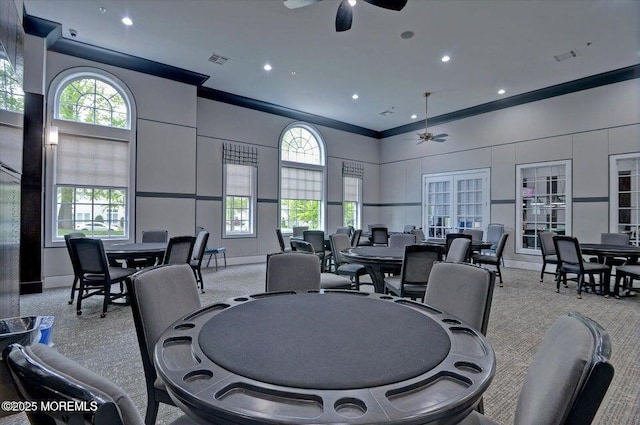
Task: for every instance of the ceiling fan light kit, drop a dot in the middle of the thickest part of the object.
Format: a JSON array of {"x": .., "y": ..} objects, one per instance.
[{"x": 427, "y": 136}]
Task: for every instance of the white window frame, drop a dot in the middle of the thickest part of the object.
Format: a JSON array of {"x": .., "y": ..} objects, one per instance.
[
  {"x": 252, "y": 204},
  {"x": 304, "y": 166},
  {"x": 454, "y": 207},
  {"x": 128, "y": 135},
  {"x": 358, "y": 207},
  {"x": 520, "y": 198},
  {"x": 614, "y": 226}
]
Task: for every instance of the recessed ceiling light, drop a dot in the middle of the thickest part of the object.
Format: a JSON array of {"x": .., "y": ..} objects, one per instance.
[
  {"x": 414, "y": 116},
  {"x": 102, "y": 9},
  {"x": 502, "y": 91},
  {"x": 407, "y": 35},
  {"x": 127, "y": 21},
  {"x": 355, "y": 96},
  {"x": 352, "y": 3},
  {"x": 267, "y": 67},
  {"x": 445, "y": 58}
]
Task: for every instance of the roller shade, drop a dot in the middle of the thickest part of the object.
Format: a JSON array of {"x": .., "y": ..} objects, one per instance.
[
  {"x": 87, "y": 161},
  {"x": 238, "y": 179},
  {"x": 352, "y": 189},
  {"x": 299, "y": 183}
]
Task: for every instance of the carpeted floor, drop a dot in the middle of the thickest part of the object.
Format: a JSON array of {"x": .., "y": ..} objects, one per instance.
[{"x": 522, "y": 311}]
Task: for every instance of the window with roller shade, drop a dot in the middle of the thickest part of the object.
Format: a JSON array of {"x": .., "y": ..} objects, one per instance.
[
  {"x": 240, "y": 173},
  {"x": 302, "y": 178},
  {"x": 92, "y": 159},
  {"x": 352, "y": 176},
  {"x": 625, "y": 195}
]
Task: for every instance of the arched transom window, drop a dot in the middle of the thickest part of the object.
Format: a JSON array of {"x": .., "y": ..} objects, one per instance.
[
  {"x": 91, "y": 100},
  {"x": 302, "y": 178}
]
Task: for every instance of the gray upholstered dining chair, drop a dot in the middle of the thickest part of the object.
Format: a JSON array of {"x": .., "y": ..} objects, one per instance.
[
  {"x": 462, "y": 289},
  {"x": 548, "y": 251},
  {"x": 494, "y": 231},
  {"x": 344, "y": 229},
  {"x": 340, "y": 242},
  {"x": 400, "y": 240},
  {"x": 289, "y": 271},
  {"x": 493, "y": 260},
  {"x": 570, "y": 261},
  {"x": 476, "y": 234},
  {"x": 199, "y": 247},
  {"x": 571, "y": 391},
  {"x": 149, "y": 290},
  {"x": 449, "y": 237},
  {"x": 355, "y": 238},
  {"x": 419, "y": 233},
  {"x": 280, "y": 237},
  {"x": 179, "y": 250},
  {"x": 299, "y": 230},
  {"x": 155, "y": 235},
  {"x": 623, "y": 239},
  {"x": 95, "y": 275},
  {"x": 316, "y": 239},
  {"x": 459, "y": 251},
  {"x": 414, "y": 275},
  {"x": 379, "y": 236},
  {"x": 408, "y": 228},
  {"x": 41, "y": 373}
]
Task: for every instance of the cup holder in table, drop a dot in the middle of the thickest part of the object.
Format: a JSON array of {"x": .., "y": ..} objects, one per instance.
[
  {"x": 241, "y": 299},
  {"x": 197, "y": 376},
  {"x": 468, "y": 367},
  {"x": 350, "y": 407},
  {"x": 184, "y": 326},
  {"x": 451, "y": 321}
]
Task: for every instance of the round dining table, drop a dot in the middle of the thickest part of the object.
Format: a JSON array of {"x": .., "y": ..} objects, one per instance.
[
  {"x": 128, "y": 252},
  {"x": 324, "y": 357},
  {"x": 376, "y": 260}
]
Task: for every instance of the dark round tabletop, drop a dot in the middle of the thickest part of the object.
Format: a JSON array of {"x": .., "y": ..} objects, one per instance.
[
  {"x": 381, "y": 255},
  {"x": 323, "y": 358},
  {"x": 610, "y": 250}
]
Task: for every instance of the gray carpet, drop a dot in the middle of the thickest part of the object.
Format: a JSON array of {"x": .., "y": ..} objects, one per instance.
[{"x": 522, "y": 311}]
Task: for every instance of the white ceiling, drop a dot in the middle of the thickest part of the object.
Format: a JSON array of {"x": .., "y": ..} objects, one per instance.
[{"x": 492, "y": 43}]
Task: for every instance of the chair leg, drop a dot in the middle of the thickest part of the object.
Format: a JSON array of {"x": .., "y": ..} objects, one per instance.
[
  {"x": 216, "y": 258},
  {"x": 558, "y": 278},
  {"x": 74, "y": 287},
  {"x": 105, "y": 303},
  {"x": 199, "y": 277},
  {"x": 499, "y": 273},
  {"x": 79, "y": 304},
  {"x": 152, "y": 412},
  {"x": 580, "y": 281}
]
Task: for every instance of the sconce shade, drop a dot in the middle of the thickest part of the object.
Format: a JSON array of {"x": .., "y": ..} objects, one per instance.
[{"x": 53, "y": 135}]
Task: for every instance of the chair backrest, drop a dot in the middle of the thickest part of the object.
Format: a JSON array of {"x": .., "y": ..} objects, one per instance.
[
  {"x": 42, "y": 374},
  {"x": 149, "y": 290},
  {"x": 315, "y": 238},
  {"x": 615, "y": 238},
  {"x": 89, "y": 256},
  {"x": 298, "y": 230},
  {"x": 494, "y": 231},
  {"x": 302, "y": 246},
  {"x": 288, "y": 271},
  {"x": 399, "y": 240},
  {"x": 339, "y": 242},
  {"x": 155, "y": 235},
  {"x": 345, "y": 229},
  {"x": 501, "y": 244},
  {"x": 462, "y": 289},
  {"x": 570, "y": 391},
  {"x": 72, "y": 257},
  {"x": 419, "y": 235},
  {"x": 417, "y": 263},
  {"x": 200, "y": 245},
  {"x": 568, "y": 250},
  {"x": 179, "y": 250},
  {"x": 547, "y": 246},
  {"x": 476, "y": 234},
  {"x": 379, "y": 236},
  {"x": 449, "y": 237},
  {"x": 408, "y": 228},
  {"x": 280, "y": 240},
  {"x": 355, "y": 237},
  {"x": 459, "y": 251}
]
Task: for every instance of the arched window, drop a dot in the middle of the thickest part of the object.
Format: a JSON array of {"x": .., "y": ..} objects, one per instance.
[
  {"x": 91, "y": 180},
  {"x": 11, "y": 94},
  {"x": 92, "y": 100},
  {"x": 302, "y": 178}
]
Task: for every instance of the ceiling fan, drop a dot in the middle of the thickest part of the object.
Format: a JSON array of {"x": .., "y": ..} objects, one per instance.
[
  {"x": 426, "y": 136},
  {"x": 345, "y": 14}
]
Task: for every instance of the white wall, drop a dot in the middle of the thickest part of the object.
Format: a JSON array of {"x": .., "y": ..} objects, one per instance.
[{"x": 584, "y": 127}]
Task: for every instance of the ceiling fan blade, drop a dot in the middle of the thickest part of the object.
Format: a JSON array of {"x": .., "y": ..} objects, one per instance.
[
  {"x": 439, "y": 136},
  {"x": 295, "y": 4},
  {"x": 438, "y": 140},
  {"x": 388, "y": 4},
  {"x": 344, "y": 17}
]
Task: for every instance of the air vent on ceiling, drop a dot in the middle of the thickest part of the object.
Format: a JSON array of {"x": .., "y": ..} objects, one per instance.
[
  {"x": 385, "y": 113},
  {"x": 573, "y": 53},
  {"x": 218, "y": 59}
]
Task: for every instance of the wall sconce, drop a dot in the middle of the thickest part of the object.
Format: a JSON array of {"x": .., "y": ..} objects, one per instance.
[{"x": 53, "y": 136}]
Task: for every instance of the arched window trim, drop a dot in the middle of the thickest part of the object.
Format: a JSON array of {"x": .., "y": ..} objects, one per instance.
[
  {"x": 301, "y": 165},
  {"x": 128, "y": 135},
  {"x": 92, "y": 74}
]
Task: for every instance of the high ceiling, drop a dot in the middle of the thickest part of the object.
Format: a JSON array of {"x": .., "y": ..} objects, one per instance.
[{"x": 493, "y": 44}]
